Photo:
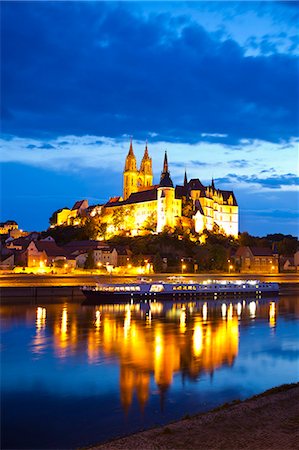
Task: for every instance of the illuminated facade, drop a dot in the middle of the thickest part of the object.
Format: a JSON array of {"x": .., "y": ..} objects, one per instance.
[{"x": 147, "y": 206}]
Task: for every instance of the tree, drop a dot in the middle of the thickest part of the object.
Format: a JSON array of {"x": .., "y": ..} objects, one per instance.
[
  {"x": 157, "y": 263},
  {"x": 91, "y": 228},
  {"x": 150, "y": 224},
  {"x": 89, "y": 263},
  {"x": 187, "y": 207}
]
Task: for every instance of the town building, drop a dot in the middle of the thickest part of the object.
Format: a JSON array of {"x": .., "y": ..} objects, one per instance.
[
  {"x": 257, "y": 260},
  {"x": 6, "y": 227}
]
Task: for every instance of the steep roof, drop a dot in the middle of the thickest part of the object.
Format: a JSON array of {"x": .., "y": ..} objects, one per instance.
[
  {"x": 78, "y": 204},
  {"x": 51, "y": 248},
  {"x": 227, "y": 194},
  {"x": 261, "y": 251},
  {"x": 137, "y": 197}
]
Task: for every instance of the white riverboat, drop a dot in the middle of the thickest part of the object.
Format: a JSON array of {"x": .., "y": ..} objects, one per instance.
[{"x": 177, "y": 289}]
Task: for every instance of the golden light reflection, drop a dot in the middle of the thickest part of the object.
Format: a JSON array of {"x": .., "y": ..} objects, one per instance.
[
  {"x": 98, "y": 319},
  {"x": 239, "y": 309},
  {"x": 272, "y": 315},
  {"x": 40, "y": 323},
  {"x": 127, "y": 322},
  {"x": 146, "y": 349},
  {"x": 223, "y": 310},
  {"x": 183, "y": 320},
  {"x": 197, "y": 338},
  {"x": 252, "y": 309},
  {"x": 205, "y": 312},
  {"x": 230, "y": 312},
  {"x": 41, "y": 315}
]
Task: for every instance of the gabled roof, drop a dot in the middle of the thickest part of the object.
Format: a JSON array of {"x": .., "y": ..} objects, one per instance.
[
  {"x": 83, "y": 246},
  {"x": 51, "y": 248},
  {"x": 198, "y": 207},
  {"x": 78, "y": 204},
  {"x": 137, "y": 197},
  {"x": 20, "y": 242},
  {"x": 196, "y": 184},
  {"x": 261, "y": 251},
  {"x": 227, "y": 194},
  {"x": 180, "y": 191},
  {"x": 255, "y": 251}
]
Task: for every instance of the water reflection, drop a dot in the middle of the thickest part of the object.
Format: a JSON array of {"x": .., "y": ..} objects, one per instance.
[
  {"x": 149, "y": 340},
  {"x": 164, "y": 359}
]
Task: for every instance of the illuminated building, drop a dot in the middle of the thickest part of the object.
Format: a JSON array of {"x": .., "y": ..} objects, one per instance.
[{"x": 147, "y": 207}]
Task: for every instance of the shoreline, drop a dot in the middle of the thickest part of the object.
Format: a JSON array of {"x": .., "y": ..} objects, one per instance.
[{"x": 266, "y": 421}]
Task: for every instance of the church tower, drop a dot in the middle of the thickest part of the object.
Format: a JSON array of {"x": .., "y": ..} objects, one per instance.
[
  {"x": 130, "y": 174},
  {"x": 166, "y": 199},
  {"x": 146, "y": 172}
]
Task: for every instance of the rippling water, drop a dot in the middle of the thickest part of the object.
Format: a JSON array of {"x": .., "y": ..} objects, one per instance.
[{"x": 74, "y": 375}]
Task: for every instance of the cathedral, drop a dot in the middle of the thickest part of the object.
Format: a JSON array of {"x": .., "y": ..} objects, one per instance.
[{"x": 146, "y": 206}]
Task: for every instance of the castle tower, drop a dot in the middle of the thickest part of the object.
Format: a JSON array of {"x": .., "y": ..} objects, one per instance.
[
  {"x": 165, "y": 196},
  {"x": 130, "y": 174},
  {"x": 146, "y": 173}
]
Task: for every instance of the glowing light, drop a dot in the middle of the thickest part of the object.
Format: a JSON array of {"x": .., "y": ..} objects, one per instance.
[
  {"x": 230, "y": 312},
  {"x": 64, "y": 322},
  {"x": 98, "y": 319},
  {"x": 223, "y": 310},
  {"x": 239, "y": 309},
  {"x": 252, "y": 309},
  {"x": 197, "y": 339},
  {"x": 41, "y": 314},
  {"x": 205, "y": 312},
  {"x": 272, "y": 315},
  {"x": 183, "y": 321}
]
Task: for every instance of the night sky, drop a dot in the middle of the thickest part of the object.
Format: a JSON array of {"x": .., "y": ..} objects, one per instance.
[{"x": 214, "y": 84}]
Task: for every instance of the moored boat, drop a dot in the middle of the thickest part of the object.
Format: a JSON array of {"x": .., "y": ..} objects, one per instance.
[{"x": 119, "y": 292}]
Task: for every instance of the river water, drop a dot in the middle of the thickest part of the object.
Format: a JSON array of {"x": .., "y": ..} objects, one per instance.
[{"x": 75, "y": 375}]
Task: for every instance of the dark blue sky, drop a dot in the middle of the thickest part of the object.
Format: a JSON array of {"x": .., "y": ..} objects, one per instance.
[{"x": 214, "y": 83}]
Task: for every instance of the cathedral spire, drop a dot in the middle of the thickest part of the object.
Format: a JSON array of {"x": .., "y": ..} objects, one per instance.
[
  {"x": 131, "y": 152},
  {"x": 213, "y": 185},
  {"x": 146, "y": 156},
  {"x": 165, "y": 164},
  {"x": 185, "y": 179}
]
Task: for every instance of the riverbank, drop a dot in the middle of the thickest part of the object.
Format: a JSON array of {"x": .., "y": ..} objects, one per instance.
[{"x": 267, "y": 421}]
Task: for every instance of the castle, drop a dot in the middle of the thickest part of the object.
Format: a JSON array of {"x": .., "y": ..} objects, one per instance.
[
  {"x": 145, "y": 206},
  {"x": 191, "y": 204}
]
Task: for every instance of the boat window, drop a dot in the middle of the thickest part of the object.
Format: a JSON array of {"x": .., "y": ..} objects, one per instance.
[{"x": 157, "y": 288}]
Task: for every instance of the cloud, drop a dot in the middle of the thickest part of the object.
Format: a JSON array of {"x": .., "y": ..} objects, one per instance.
[
  {"x": 272, "y": 182},
  {"x": 239, "y": 163},
  {"x": 130, "y": 73}
]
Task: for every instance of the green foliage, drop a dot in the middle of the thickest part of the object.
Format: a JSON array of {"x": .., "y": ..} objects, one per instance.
[
  {"x": 89, "y": 263},
  {"x": 65, "y": 234},
  {"x": 187, "y": 207},
  {"x": 59, "y": 263},
  {"x": 91, "y": 228},
  {"x": 157, "y": 263},
  {"x": 150, "y": 223}
]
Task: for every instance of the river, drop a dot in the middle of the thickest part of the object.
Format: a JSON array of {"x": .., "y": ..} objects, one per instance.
[{"x": 74, "y": 375}]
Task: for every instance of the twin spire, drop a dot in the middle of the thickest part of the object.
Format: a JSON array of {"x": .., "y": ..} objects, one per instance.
[{"x": 131, "y": 151}]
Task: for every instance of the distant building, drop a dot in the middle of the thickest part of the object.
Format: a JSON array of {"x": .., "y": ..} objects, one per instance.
[
  {"x": 6, "y": 227},
  {"x": 257, "y": 260}
]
